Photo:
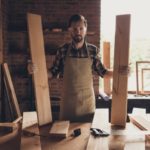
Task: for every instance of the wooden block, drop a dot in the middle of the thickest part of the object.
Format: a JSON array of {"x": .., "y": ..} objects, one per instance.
[
  {"x": 121, "y": 59},
  {"x": 11, "y": 90},
  {"x": 60, "y": 129},
  {"x": 106, "y": 61},
  {"x": 30, "y": 139},
  {"x": 100, "y": 120},
  {"x": 29, "y": 119},
  {"x": 40, "y": 77}
]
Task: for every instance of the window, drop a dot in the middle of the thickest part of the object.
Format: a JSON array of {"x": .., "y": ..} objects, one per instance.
[{"x": 139, "y": 34}]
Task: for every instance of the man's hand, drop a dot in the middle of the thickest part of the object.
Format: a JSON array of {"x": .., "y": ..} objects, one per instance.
[
  {"x": 32, "y": 68},
  {"x": 125, "y": 70}
]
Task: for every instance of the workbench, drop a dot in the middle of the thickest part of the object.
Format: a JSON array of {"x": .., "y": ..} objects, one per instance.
[{"x": 129, "y": 138}]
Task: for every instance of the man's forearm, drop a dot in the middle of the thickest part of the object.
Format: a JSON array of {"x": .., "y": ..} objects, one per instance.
[{"x": 108, "y": 74}]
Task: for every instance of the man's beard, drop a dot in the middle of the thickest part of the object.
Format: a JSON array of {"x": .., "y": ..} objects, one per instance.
[{"x": 77, "y": 38}]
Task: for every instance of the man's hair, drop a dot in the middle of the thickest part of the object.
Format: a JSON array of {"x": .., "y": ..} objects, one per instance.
[{"x": 77, "y": 18}]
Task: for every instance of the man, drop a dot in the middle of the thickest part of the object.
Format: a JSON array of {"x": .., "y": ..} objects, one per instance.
[{"x": 76, "y": 61}]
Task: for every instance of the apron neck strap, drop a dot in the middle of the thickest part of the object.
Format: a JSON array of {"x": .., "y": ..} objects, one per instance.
[{"x": 70, "y": 46}]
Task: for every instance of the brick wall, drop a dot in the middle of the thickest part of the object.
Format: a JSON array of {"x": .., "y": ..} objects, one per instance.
[{"x": 55, "y": 14}]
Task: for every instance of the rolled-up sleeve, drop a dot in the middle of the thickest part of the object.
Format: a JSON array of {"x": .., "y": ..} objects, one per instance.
[
  {"x": 97, "y": 64},
  {"x": 57, "y": 64}
]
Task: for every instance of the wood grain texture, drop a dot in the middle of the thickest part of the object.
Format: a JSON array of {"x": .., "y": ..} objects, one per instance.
[
  {"x": 29, "y": 127},
  {"x": 60, "y": 129},
  {"x": 40, "y": 77},
  {"x": 11, "y": 90},
  {"x": 120, "y": 81},
  {"x": 140, "y": 122},
  {"x": 1, "y": 34},
  {"x": 100, "y": 121},
  {"x": 106, "y": 61}
]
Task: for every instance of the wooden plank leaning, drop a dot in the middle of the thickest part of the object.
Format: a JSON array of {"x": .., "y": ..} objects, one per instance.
[
  {"x": 121, "y": 60},
  {"x": 40, "y": 77},
  {"x": 10, "y": 88}
]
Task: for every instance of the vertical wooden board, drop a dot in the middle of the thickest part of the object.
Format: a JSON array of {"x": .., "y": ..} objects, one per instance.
[
  {"x": 1, "y": 34},
  {"x": 106, "y": 61},
  {"x": 11, "y": 89},
  {"x": 40, "y": 77},
  {"x": 121, "y": 58}
]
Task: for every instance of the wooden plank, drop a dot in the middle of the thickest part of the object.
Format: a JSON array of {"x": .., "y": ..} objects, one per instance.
[
  {"x": 100, "y": 120},
  {"x": 106, "y": 61},
  {"x": 40, "y": 77},
  {"x": 60, "y": 129},
  {"x": 29, "y": 119},
  {"x": 1, "y": 34},
  {"x": 140, "y": 122},
  {"x": 30, "y": 139},
  {"x": 11, "y": 89},
  {"x": 121, "y": 58}
]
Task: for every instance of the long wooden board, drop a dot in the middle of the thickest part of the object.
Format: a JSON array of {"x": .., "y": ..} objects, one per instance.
[
  {"x": 11, "y": 89},
  {"x": 1, "y": 34},
  {"x": 40, "y": 77},
  {"x": 121, "y": 59},
  {"x": 106, "y": 61},
  {"x": 100, "y": 120},
  {"x": 140, "y": 122}
]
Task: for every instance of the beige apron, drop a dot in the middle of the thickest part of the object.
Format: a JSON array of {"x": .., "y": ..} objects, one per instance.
[{"x": 78, "y": 93}]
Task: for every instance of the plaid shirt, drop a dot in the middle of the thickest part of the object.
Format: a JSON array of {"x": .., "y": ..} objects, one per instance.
[{"x": 58, "y": 65}]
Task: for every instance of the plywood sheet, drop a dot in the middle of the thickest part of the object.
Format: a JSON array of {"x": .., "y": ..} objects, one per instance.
[
  {"x": 120, "y": 81},
  {"x": 40, "y": 77}
]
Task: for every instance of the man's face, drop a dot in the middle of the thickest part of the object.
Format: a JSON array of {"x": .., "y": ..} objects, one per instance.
[{"x": 78, "y": 31}]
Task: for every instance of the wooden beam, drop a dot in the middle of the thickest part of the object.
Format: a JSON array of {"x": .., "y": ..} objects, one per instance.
[
  {"x": 11, "y": 89},
  {"x": 40, "y": 77},
  {"x": 60, "y": 129},
  {"x": 100, "y": 121},
  {"x": 121, "y": 58},
  {"x": 106, "y": 61},
  {"x": 1, "y": 33}
]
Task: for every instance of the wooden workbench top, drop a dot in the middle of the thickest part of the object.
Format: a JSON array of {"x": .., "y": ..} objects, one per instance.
[{"x": 129, "y": 138}]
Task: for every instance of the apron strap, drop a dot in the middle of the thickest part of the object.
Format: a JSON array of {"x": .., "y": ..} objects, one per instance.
[{"x": 69, "y": 49}]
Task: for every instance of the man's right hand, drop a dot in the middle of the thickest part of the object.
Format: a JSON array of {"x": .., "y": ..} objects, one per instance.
[{"x": 32, "y": 68}]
